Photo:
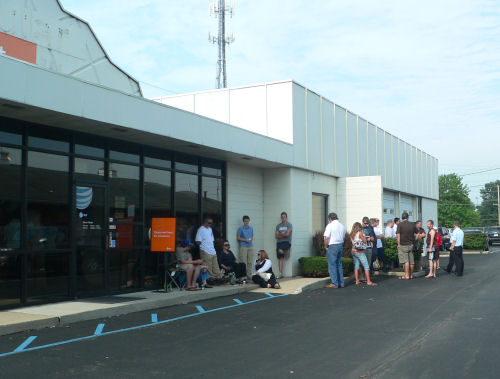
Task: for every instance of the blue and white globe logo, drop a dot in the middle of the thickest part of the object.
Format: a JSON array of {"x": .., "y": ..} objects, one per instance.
[{"x": 83, "y": 197}]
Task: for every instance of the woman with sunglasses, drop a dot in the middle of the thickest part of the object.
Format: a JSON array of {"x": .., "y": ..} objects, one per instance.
[
  {"x": 227, "y": 261},
  {"x": 264, "y": 275}
]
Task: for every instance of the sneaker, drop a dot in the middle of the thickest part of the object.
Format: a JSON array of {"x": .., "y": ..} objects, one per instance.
[{"x": 279, "y": 276}]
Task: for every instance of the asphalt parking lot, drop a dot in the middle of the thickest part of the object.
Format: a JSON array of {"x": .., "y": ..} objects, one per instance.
[{"x": 423, "y": 328}]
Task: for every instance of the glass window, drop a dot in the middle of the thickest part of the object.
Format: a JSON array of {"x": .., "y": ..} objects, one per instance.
[
  {"x": 89, "y": 150},
  {"x": 126, "y": 157},
  {"x": 89, "y": 169},
  {"x": 124, "y": 226},
  {"x": 211, "y": 202},
  {"x": 10, "y": 274},
  {"x": 10, "y": 198},
  {"x": 189, "y": 164},
  {"x": 212, "y": 168},
  {"x": 48, "y": 144},
  {"x": 13, "y": 139},
  {"x": 186, "y": 205},
  {"x": 48, "y": 276},
  {"x": 157, "y": 162},
  {"x": 48, "y": 201}
]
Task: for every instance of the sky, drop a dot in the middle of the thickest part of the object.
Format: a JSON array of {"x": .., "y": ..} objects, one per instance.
[{"x": 425, "y": 71}]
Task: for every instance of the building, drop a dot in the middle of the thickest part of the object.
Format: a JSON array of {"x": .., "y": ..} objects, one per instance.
[{"x": 86, "y": 162}]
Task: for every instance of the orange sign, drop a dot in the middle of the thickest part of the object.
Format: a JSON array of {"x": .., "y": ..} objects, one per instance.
[
  {"x": 17, "y": 48},
  {"x": 163, "y": 234}
]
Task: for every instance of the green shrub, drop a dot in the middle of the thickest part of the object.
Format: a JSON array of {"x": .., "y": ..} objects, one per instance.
[
  {"x": 317, "y": 267},
  {"x": 390, "y": 250},
  {"x": 474, "y": 241}
]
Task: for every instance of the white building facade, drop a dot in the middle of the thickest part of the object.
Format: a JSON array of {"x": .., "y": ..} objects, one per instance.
[{"x": 259, "y": 150}]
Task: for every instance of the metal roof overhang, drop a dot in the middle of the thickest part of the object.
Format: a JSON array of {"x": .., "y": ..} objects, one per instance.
[{"x": 33, "y": 94}]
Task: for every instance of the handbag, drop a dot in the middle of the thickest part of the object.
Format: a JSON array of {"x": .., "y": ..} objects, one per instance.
[
  {"x": 358, "y": 244},
  {"x": 376, "y": 265}
]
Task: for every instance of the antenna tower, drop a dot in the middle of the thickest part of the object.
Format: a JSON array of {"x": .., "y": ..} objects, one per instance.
[{"x": 219, "y": 9}]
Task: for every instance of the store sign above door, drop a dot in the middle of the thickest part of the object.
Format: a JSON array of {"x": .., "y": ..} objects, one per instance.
[
  {"x": 163, "y": 234},
  {"x": 17, "y": 48}
]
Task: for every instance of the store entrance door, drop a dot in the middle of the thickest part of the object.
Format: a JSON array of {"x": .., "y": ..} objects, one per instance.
[{"x": 91, "y": 232}]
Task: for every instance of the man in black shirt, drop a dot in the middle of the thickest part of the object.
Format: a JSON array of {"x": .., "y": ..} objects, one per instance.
[{"x": 406, "y": 237}]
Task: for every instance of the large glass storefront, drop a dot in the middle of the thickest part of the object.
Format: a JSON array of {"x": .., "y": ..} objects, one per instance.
[{"x": 76, "y": 211}]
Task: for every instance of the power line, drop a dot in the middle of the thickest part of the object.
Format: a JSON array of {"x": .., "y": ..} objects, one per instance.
[{"x": 479, "y": 172}]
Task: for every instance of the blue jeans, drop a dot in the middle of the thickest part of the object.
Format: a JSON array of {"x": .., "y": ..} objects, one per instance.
[{"x": 334, "y": 258}]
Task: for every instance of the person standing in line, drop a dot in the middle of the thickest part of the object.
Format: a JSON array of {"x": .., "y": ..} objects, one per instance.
[
  {"x": 244, "y": 235},
  {"x": 358, "y": 253},
  {"x": 420, "y": 235},
  {"x": 205, "y": 240},
  {"x": 283, "y": 236},
  {"x": 431, "y": 249},
  {"x": 406, "y": 237},
  {"x": 370, "y": 240},
  {"x": 389, "y": 229},
  {"x": 334, "y": 244},
  {"x": 380, "y": 247},
  {"x": 457, "y": 243},
  {"x": 395, "y": 226}
]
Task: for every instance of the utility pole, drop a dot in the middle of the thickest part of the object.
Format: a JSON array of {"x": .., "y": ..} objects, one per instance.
[
  {"x": 219, "y": 10},
  {"x": 498, "y": 203}
]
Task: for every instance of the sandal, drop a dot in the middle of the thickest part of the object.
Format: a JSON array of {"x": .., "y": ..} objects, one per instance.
[
  {"x": 372, "y": 284},
  {"x": 404, "y": 278},
  {"x": 331, "y": 285}
]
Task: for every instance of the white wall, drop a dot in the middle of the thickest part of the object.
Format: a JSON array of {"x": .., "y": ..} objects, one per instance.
[
  {"x": 245, "y": 196},
  {"x": 358, "y": 197},
  {"x": 429, "y": 211},
  {"x": 65, "y": 44}
]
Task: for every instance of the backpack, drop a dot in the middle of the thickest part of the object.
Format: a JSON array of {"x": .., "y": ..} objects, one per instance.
[{"x": 438, "y": 240}]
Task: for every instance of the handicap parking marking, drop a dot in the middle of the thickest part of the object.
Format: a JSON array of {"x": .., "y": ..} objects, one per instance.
[
  {"x": 24, "y": 347},
  {"x": 26, "y": 343}
]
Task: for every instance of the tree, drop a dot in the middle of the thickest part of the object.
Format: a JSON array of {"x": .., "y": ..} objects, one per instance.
[
  {"x": 489, "y": 205},
  {"x": 454, "y": 203}
]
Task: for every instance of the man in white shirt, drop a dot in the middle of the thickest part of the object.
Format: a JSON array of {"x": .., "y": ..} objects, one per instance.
[
  {"x": 389, "y": 229},
  {"x": 396, "y": 223},
  {"x": 334, "y": 242},
  {"x": 457, "y": 243},
  {"x": 205, "y": 240}
]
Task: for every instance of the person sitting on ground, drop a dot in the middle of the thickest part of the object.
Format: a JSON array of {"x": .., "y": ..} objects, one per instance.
[
  {"x": 263, "y": 275},
  {"x": 227, "y": 261},
  {"x": 358, "y": 253},
  {"x": 189, "y": 265}
]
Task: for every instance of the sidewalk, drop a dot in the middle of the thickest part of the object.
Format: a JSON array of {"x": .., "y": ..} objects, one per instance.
[{"x": 57, "y": 314}]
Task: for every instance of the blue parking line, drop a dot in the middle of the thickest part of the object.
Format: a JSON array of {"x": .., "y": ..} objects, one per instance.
[
  {"x": 238, "y": 301},
  {"x": 98, "y": 330},
  {"x": 269, "y": 294},
  {"x": 137, "y": 327},
  {"x": 200, "y": 309},
  {"x": 154, "y": 317},
  {"x": 26, "y": 342}
]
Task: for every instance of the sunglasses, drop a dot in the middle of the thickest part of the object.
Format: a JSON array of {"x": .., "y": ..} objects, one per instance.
[{"x": 226, "y": 244}]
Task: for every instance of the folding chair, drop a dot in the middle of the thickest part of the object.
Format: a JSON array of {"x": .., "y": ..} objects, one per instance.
[{"x": 174, "y": 276}]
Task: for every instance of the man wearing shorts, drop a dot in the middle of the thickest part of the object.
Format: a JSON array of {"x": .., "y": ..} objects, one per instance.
[
  {"x": 406, "y": 237},
  {"x": 431, "y": 250},
  {"x": 283, "y": 236}
]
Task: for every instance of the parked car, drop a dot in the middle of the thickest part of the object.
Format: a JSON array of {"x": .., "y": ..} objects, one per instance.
[
  {"x": 493, "y": 235},
  {"x": 446, "y": 235}
]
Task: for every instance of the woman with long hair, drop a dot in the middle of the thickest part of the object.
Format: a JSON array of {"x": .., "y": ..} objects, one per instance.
[
  {"x": 358, "y": 253},
  {"x": 263, "y": 271}
]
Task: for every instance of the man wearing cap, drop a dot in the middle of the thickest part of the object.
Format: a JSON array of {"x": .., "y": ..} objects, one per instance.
[
  {"x": 188, "y": 265},
  {"x": 205, "y": 240}
]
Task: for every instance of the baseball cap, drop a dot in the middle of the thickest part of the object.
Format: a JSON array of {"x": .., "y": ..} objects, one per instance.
[{"x": 186, "y": 242}]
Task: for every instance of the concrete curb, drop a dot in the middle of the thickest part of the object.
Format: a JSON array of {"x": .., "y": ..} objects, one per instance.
[
  {"x": 321, "y": 284},
  {"x": 49, "y": 322},
  {"x": 122, "y": 309},
  {"x": 417, "y": 274}
]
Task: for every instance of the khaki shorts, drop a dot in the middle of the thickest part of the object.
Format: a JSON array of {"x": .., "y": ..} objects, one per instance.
[
  {"x": 186, "y": 266},
  {"x": 405, "y": 254}
]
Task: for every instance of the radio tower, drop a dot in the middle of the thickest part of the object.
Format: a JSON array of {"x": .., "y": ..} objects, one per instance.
[{"x": 219, "y": 10}]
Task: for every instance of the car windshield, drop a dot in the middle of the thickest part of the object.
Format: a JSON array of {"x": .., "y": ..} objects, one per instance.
[{"x": 494, "y": 229}]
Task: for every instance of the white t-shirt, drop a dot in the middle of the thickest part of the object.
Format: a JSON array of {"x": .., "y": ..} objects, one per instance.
[
  {"x": 335, "y": 232},
  {"x": 389, "y": 232},
  {"x": 206, "y": 238},
  {"x": 378, "y": 231}
]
